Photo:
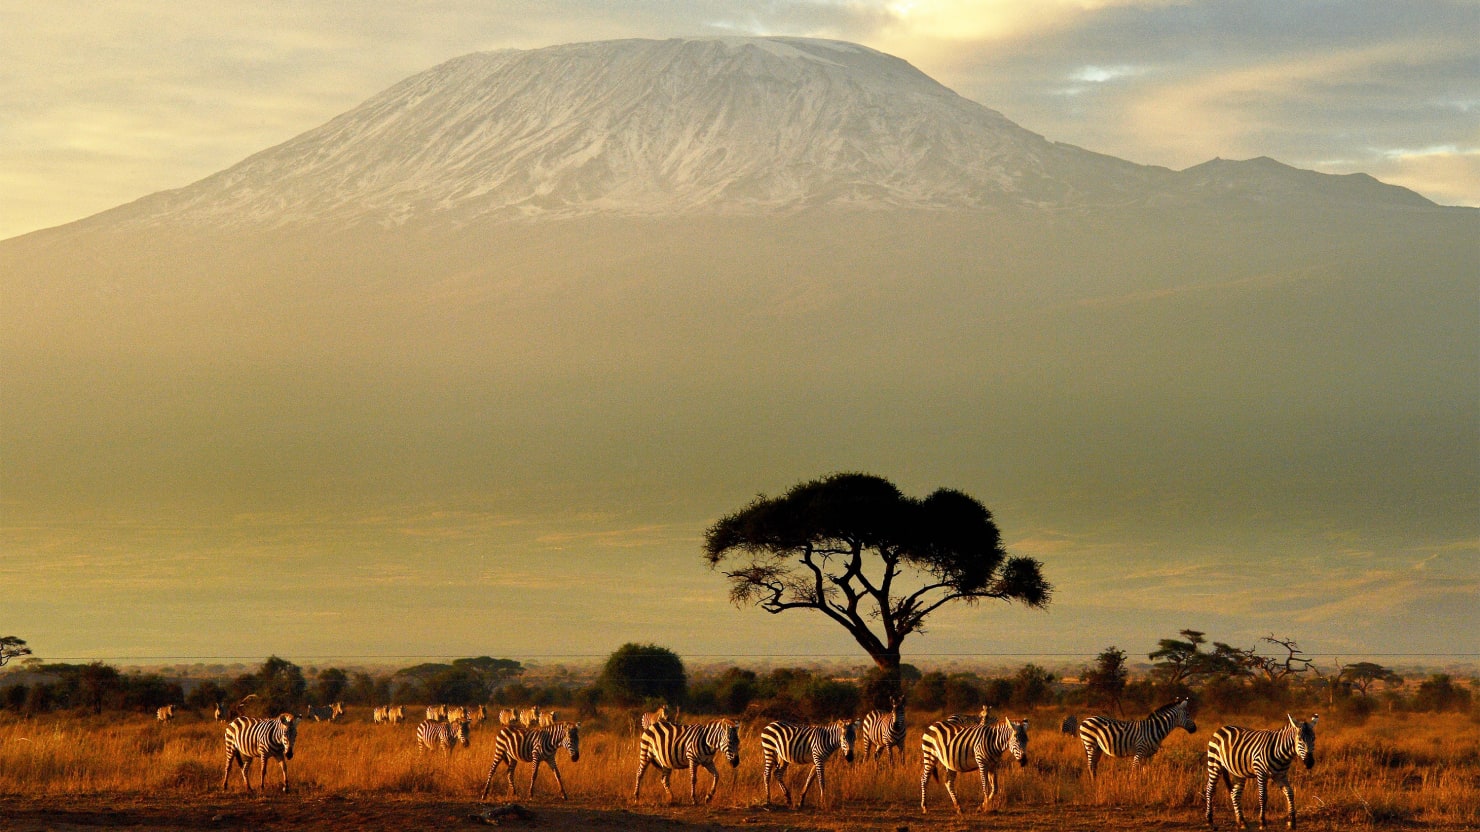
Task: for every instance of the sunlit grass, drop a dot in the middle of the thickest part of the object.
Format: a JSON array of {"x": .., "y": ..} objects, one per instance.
[{"x": 1394, "y": 769}]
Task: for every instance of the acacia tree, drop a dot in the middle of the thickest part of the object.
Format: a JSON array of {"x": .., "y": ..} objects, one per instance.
[
  {"x": 876, "y": 562},
  {"x": 1106, "y": 681},
  {"x": 12, "y": 647}
]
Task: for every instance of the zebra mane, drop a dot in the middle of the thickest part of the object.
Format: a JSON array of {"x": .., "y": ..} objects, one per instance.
[{"x": 1169, "y": 707}]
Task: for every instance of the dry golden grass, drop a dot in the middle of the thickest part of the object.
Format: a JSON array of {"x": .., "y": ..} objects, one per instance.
[{"x": 1396, "y": 769}]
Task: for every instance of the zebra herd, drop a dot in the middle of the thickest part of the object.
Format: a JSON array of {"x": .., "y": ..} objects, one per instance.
[{"x": 951, "y": 746}]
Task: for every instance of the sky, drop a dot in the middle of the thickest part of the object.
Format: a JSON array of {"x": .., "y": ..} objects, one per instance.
[{"x": 102, "y": 103}]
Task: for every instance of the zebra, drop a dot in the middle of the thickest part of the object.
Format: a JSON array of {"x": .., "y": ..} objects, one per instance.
[
  {"x": 648, "y": 719},
  {"x": 784, "y": 743},
  {"x": 883, "y": 729},
  {"x": 533, "y": 745},
  {"x": 395, "y": 714},
  {"x": 432, "y": 735},
  {"x": 327, "y": 713},
  {"x": 530, "y": 716},
  {"x": 456, "y": 712},
  {"x": 1138, "y": 739},
  {"x": 217, "y": 715},
  {"x": 479, "y": 715},
  {"x": 668, "y": 746},
  {"x": 248, "y": 738},
  {"x": 381, "y": 714},
  {"x": 437, "y": 713},
  {"x": 1070, "y": 725},
  {"x": 547, "y": 718},
  {"x": 165, "y": 714},
  {"x": 1242, "y": 753},
  {"x": 508, "y": 716},
  {"x": 963, "y": 746}
]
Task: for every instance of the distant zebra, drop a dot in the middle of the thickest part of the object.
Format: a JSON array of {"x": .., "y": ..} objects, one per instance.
[
  {"x": 217, "y": 715},
  {"x": 530, "y": 716},
  {"x": 479, "y": 715},
  {"x": 1069, "y": 726},
  {"x": 669, "y": 746},
  {"x": 327, "y": 713},
  {"x": 437, "y": 713},
  {"x": 1139, "y": 739},
  {"x": 508, "y": 716},
  {"x": 533, "y": 745},
  {"x": 646, "y": 720},
  {"x": 784, "y": 743},
  {"x": 248, "y": 738},
  {"x": 963, "y": 746},
  {"x": 445, "y": 735},
  {"x": 883, "y": 729},
  {"x": 1242, "y": 753},
  {"x": 982, "y": 718},
  {"x": 547, "y": 718},
  {"x": 165, "y": 714},
  {"x": 455, "y": 713},
  {"x": 379, "y": 715}
]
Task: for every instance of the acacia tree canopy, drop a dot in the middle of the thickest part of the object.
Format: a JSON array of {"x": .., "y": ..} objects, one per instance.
[{"x": 875, "y": 561}]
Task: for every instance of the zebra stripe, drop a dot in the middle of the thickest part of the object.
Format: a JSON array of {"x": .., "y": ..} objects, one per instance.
[
  {"x": 437, "y": 713},
  {"x": 668, "y": 745},
  {"x": 533, "y": 745},
  {"x": 1236, "y": 754},
  {"x": 547, "y": 718},
  {"x": 957, "y": 747},
  {"x": 883, "y": 729},
  {"x": 1139, "y": 739},
  {"x": 784, "y": 743},
  {"x": 249, "y": 738},
  {"x": 165, "y": 714},
  {"x": 445, "y": 735},
  {"x": 508, "y": 716}
]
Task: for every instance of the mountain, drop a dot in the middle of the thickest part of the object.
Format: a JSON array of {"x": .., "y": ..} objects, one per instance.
[{"x": 639, "y": 281}]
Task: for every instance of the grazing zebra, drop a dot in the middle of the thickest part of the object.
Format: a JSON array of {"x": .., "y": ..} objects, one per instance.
[
  {"x": 668, "y": 746},
  {"x": 508, "y": 716},
  {"x": 327, "y": 713},
  {"x": 784, "y": 743},
  {"x": 1069, "y": 726},
  {"x": 883, "y": 729},
  {"x": 533, "y": 745},
  {"x": 248, "y": 738},
  {"x": 964, "y": 746},
  {"x": 445, "y": 735},
  {"x": 1138, "y": 738},
  {"x": 165, "y": 714},
  {"x": 1242, "y": 753}
]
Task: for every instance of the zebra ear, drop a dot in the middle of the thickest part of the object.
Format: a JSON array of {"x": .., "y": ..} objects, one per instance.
[
  {"x": 1292, "y": 721},
  {"x": 1313, "y": 718}
]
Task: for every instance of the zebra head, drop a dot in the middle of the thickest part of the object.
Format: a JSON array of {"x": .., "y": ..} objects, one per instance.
[
  {"x": 1305, "y": 739},
  {"x": 287, "y": 734},
  {"x": 460, "y": 730},
  {"x": 731, "y": 742},
  {"x": 847, "y": 732},
  {"x": 1183, "y": 715},
  {"x": 572, "y": 740},
  {"x": 897, "y": 706},
  {"x": 1017, "y": 739}
]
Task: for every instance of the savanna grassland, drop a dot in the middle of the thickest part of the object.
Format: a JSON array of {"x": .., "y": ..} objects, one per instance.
[{"x": 68, "y": 772}]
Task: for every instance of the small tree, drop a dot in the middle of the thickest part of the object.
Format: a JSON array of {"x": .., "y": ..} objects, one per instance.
[
  {"x": 636, "y": 673},
  {"x": 875, "y": 562},
  {"x": 12, "y": 647},
  {"x": 1362, "y": 675},
  {"x": 330, "y": 684},
  {"x": 1105, "y": 682}
]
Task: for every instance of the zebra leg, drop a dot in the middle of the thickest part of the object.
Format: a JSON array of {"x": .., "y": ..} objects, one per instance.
[
  {"x": 513, "y": 792},
  {"x": 532, "y": 776},
  {"x": 263, "y": 785},
  {"x": 1235, "y": 792},
  {"x": 666, "y": 775},
  {"x": 246, "y": 777},
  {"x": 1261, "y": 781},
  {"x": 989, "y": 786},
  {"x": 488, "y": 781},
  {"x": 951, "y": 789},
  {"x": 1289, "y": 799},
  {"x": 1208, "y": 790},
  {"x": 641, "y": 770},
  {"x": 282, "y": 761},
  {"x": 555, "y": 770},
  {"x": 927, "y": 768},
  {"x": 807, "y": 785},
  {"x": 713, "y": 781},
  {"x": 226, "y": 775},
  {"x": 1092, "y": 756}
]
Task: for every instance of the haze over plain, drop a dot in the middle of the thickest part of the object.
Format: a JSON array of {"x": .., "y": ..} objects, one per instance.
[{"x": 375, "y": 370}]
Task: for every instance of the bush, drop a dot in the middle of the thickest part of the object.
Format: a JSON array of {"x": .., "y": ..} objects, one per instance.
[
  {"x": 1440, "y": 693},
  {"x": 828, "y": 699},
  {"x": 638, "y": 672}
]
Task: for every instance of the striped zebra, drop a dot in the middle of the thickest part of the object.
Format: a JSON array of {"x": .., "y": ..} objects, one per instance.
[
  {"x": 479, "y": 715},
  {"x": 547, "y": 718},
  {"x": 883, "y": 729},
  {"x": 508, "y": 716},
  {"x": 456, "y": 712},
  {"x": 437, "y": 713},
  {"x": 651, "y": 718},
  {"x": 533, "y": 745},
  {"x": 165, "y": 714},
  {"x": 1139, "y": 739},
  {"x": 1242, "y": 753},
  {"x": 248, "y": 738},
  {"x": 432, "y": 735},
  {"x": 668, "y": 746},
  {"x": 964, "y": 746},
  {"x": 530, "y": 716},
  {"x": 381, "y": 715},
  {"x": 784, "y": 743},
  {"x": 327, "y": 713},
  {"x": 217, "y": 715}
]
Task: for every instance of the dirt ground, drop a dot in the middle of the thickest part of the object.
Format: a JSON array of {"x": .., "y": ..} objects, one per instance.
[{"x": 55, "y": 813}]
